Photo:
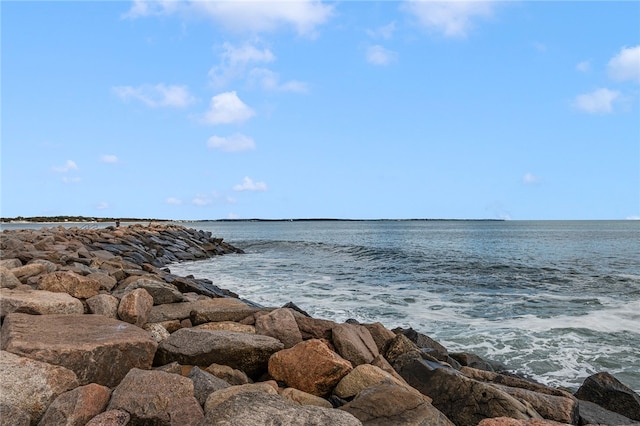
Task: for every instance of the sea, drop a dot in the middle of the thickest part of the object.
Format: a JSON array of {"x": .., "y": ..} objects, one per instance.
[
  {"x": 556, "y": 301},
  {"x": 553, "y": 300}
]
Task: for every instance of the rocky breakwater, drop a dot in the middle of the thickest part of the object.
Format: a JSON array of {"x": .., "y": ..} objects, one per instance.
[{"x": 97, "y": 331}]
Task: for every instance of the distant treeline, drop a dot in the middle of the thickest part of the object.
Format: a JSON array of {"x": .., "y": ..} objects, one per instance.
[{"x": 76, "y": 219}]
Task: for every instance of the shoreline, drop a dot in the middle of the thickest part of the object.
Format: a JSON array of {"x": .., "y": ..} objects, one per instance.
[{"x": 129, "y": 262}]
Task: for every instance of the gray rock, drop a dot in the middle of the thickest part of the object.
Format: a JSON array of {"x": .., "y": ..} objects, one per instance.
[
  {"x": 180, "y": 311},
  {"x": 280, "y": 324},
  {"x": 354, "y": 343},
  {"x": 608, "y": 392},
  {"x": 204, "y": 383},
  {"x": 593, "y": 414},
  {"x": 18, "y": 416},
  {"x": 104, "y": 304},
  {"x": 261, "y": 409},
  {"x": 247, "y": 352},
  {"x": 161, "y": 292}
]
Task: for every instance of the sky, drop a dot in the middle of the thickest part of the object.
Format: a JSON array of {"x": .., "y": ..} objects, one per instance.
[{"x": 196, "y": 110}]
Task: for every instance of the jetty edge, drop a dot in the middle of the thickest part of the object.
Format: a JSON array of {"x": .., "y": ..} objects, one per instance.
[{"x": 96, "y": 330}]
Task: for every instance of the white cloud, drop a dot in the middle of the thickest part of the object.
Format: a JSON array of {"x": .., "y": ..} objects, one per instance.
[
  {"x": 236, "y": 60},
  {"x": 227, "y": 108},
  {"x": 173, "y": 201},
  {"x": 109, "y": 159},
  {"x": 68, "y": 166},
  {"x": 625, "y": 65},
  {"x": 234, "y": 143},
  {"x": 384, "y": 32},
  {"x": 378, "y": 55},
  {"x": 600, "y": 101},
  {"x": 201, "y": 200},
  {"x": 530, "y": 178},
  {"x": 632, "y": 218},
  {"x": 451, "y": 18},
  {"x": 249, "y": 185},
  {"x": 270, "y": 80},
  {"x": 240, "y": 16},
  {"x": 156, "y": 96},
  {"x": 584, "y": 66}
]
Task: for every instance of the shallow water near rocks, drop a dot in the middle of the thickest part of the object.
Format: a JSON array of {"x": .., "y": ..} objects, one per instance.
[{"x": 557, "y": 300}]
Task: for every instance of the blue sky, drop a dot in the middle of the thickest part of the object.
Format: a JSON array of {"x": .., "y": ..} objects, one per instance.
[{"x": 407, "y": 109}]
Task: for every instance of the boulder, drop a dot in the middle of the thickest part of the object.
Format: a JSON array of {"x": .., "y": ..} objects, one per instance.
[
  {"x": 30, "y": 386},
  {"x": 185, "y": 412},
  {"x": 51, "y": 267},
  {"x": 98, "y": 349},
  {"x": 37, "y": 302},
  {"x": 309, "y": 366},
  {"x": 280, "y": 324},
  {"x": 71, "y": 283},
  {"x": 303, "y": 398},
  {"x": 463, "y": 400},
  {"x": 7, "y": 279},
  {"x": 389, "y": 404},
  {"x": 134, "y": 307},
  {"x": 227, "y": 326},
  {"x": 608, "y": 392},
  {"x": 76, "y": 407},
  {"x": 146, "y": 395},
  {"x": 228, "y": 374},
  {"x": 10, "y": 263},
  {"x": 161, "y": 292},
  {"x": 382, "y": 363},
  {"x": 559, "y": 408},
  {"x": 104, "y": 304},
  {"x": 315, "y": 328},
  {"x": 107, "y": 282},
  {"x": 512, "y": 381},
  {"x": 426, "y": 343},
  {"x": 398, "y": 346},
  {"x": 247, "y": 352},
  {"x": 593, "y": 414},
  {"x": 23, "y": 273},
  {"x": 262, "y": 409},
  {"x": 218, "y": 397},
  {"x": 180, "y": 311},
  {"x": 508, "y": 421},
  {"x": 354, "y": 343},
  {"x": 364, "y": 376},
  {"x": 157, "y": 331},
  {"x": 204, "y": 383},
  {"x": 18, "y": 416},
  {"x": 472, "y": 360},
  {"x": 380, "y": 334},
  {"x": 110, "y": 418}
]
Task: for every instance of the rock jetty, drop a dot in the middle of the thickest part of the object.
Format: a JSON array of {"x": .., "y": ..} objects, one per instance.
[{"x": 96, "y": 330}]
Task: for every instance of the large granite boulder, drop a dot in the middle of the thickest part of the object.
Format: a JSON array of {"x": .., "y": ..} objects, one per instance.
[
  {"x": 230, "y": 375},
  {"x": 593, "y": 414},
  {"x": 18, "y": 416},
  {"x": 380, "y": 334},
  {"x": 303, "y": 398},
  {"x": 247, "y": 352},
  {"x": 262, "y": 409},
  {"x": 37, "y": 302},
  {"x": 98, "y": 349},
  {"x": 7, "y": 279},
  {"x": 608, "y": 392},
  {"x": 104, "y": 304},
  {"x": 161, "y": 292},
  {"x": 309, "y": 366},
  {"x": 110, "y": 418},
  {"x": 218, "y": 397},
  {"x": 559, "y": 408},
  {"x": 463, "y": 400},
  {"x": 389, "y": 404},
  {"x": 30, "y": 386},
  {"x": 354, "y": 343},
  {"x": 365, "y": 376},
  {"x": 76, "y": 407},
  {"x": 204, "y": 383},
  {"x": 314, "y": 328},
  {"x": 134, "y": 307},
  {"x": 147, "y": 395},
  {"x": 71, "y": 283},
  {"x": 23, "y": 273},
  {"x": 426, "y": 343},
  {"x": 280, "y": 324},
  {"x": 182, "y": 310}
]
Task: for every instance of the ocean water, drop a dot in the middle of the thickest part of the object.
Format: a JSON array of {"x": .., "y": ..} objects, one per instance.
[{"x": 556, "y": 300}]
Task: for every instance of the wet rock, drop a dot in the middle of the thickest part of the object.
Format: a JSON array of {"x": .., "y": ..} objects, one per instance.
[
  {"x": 593, "y": 414},
  {"x": 104, "y": 304},
  {"x": 280, "y": 324},
  {"x": 303, "y": 398},
  {"x": 218, "y": 397},
  {"x": 389, "y": 404},
  {"x": 146, "y": 395},
  {"x": 309, "y": 366},
  {"x": 204, "y": 383},
  {"x": 31, "y": 386},
  {"x": 471, "y": 360},
  {"x": 71, "y": 283},
  {"x": 354, "y": 343},
  {"x": 426, "y": 343},
  {"x": 134, "y": 307},
  {"x": 247, "y": 352},
  {"x": 76, "y": 407},
  {"x": 37, "y": 302},
  {"x": 398, "y": 346},
  {"x": 98, "y": 349},
  {"x": 380, "y": 334},
  {"x": 261, "y": 409},
  {"x": 608, "y": 392}
]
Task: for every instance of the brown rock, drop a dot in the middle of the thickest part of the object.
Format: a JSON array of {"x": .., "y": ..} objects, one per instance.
[
  {"x": 37, "y": 302},
  {"x": 110, "y": 418},
  {"x": 30, "y": 385},
  {"x": 247, "y": 352},
  {"x": 398, "y": 346},
  {"x": 18, "y": 416},
  {"x": 185, "y": 412},
  {"x": 364, "y": 376},
  {"x": 354, "y": 343},
  {"x": 161, "y": 292},
  {"x": 134, "y": 307},
  {"x": 180, "y": 311},
  {"x": 146, "y": 395},
  {"x": 303, "y": 398},
  {"x": 107, "y": 282},
  {"x": 98, "y": 349},
  {"x": 228, "y": 374},
  {"x": 23, "y": 273},
  {"x": 280, "y": 324},
  {"x": 10, "y": 263},
  {"x": 309, "y": 366},
  {"x": 51, "y": 267},
  {"x": 7, "y": 279},
  {"x": 380, "y": 334},
  {"x": 558, "y": 408},
  {"x": 218, "y": 397},
  {"x": 511, "y": 381},
  {"x": 157, "y": 332},
  {"x": 103, "y": 304},
  {"x": 227, "y": 326},
  {"x": 507, "y": 421},
  {"x": 382, "y": 363},
  {"x": 70, "y": 283},
  {"x": 315, "y": 328},
  {"x": 390, "y": 404},
  {"x": 76, "y": 407}
]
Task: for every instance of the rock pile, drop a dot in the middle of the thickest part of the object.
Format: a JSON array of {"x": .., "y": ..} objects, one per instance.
[{"x": 97, "y": 331}]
